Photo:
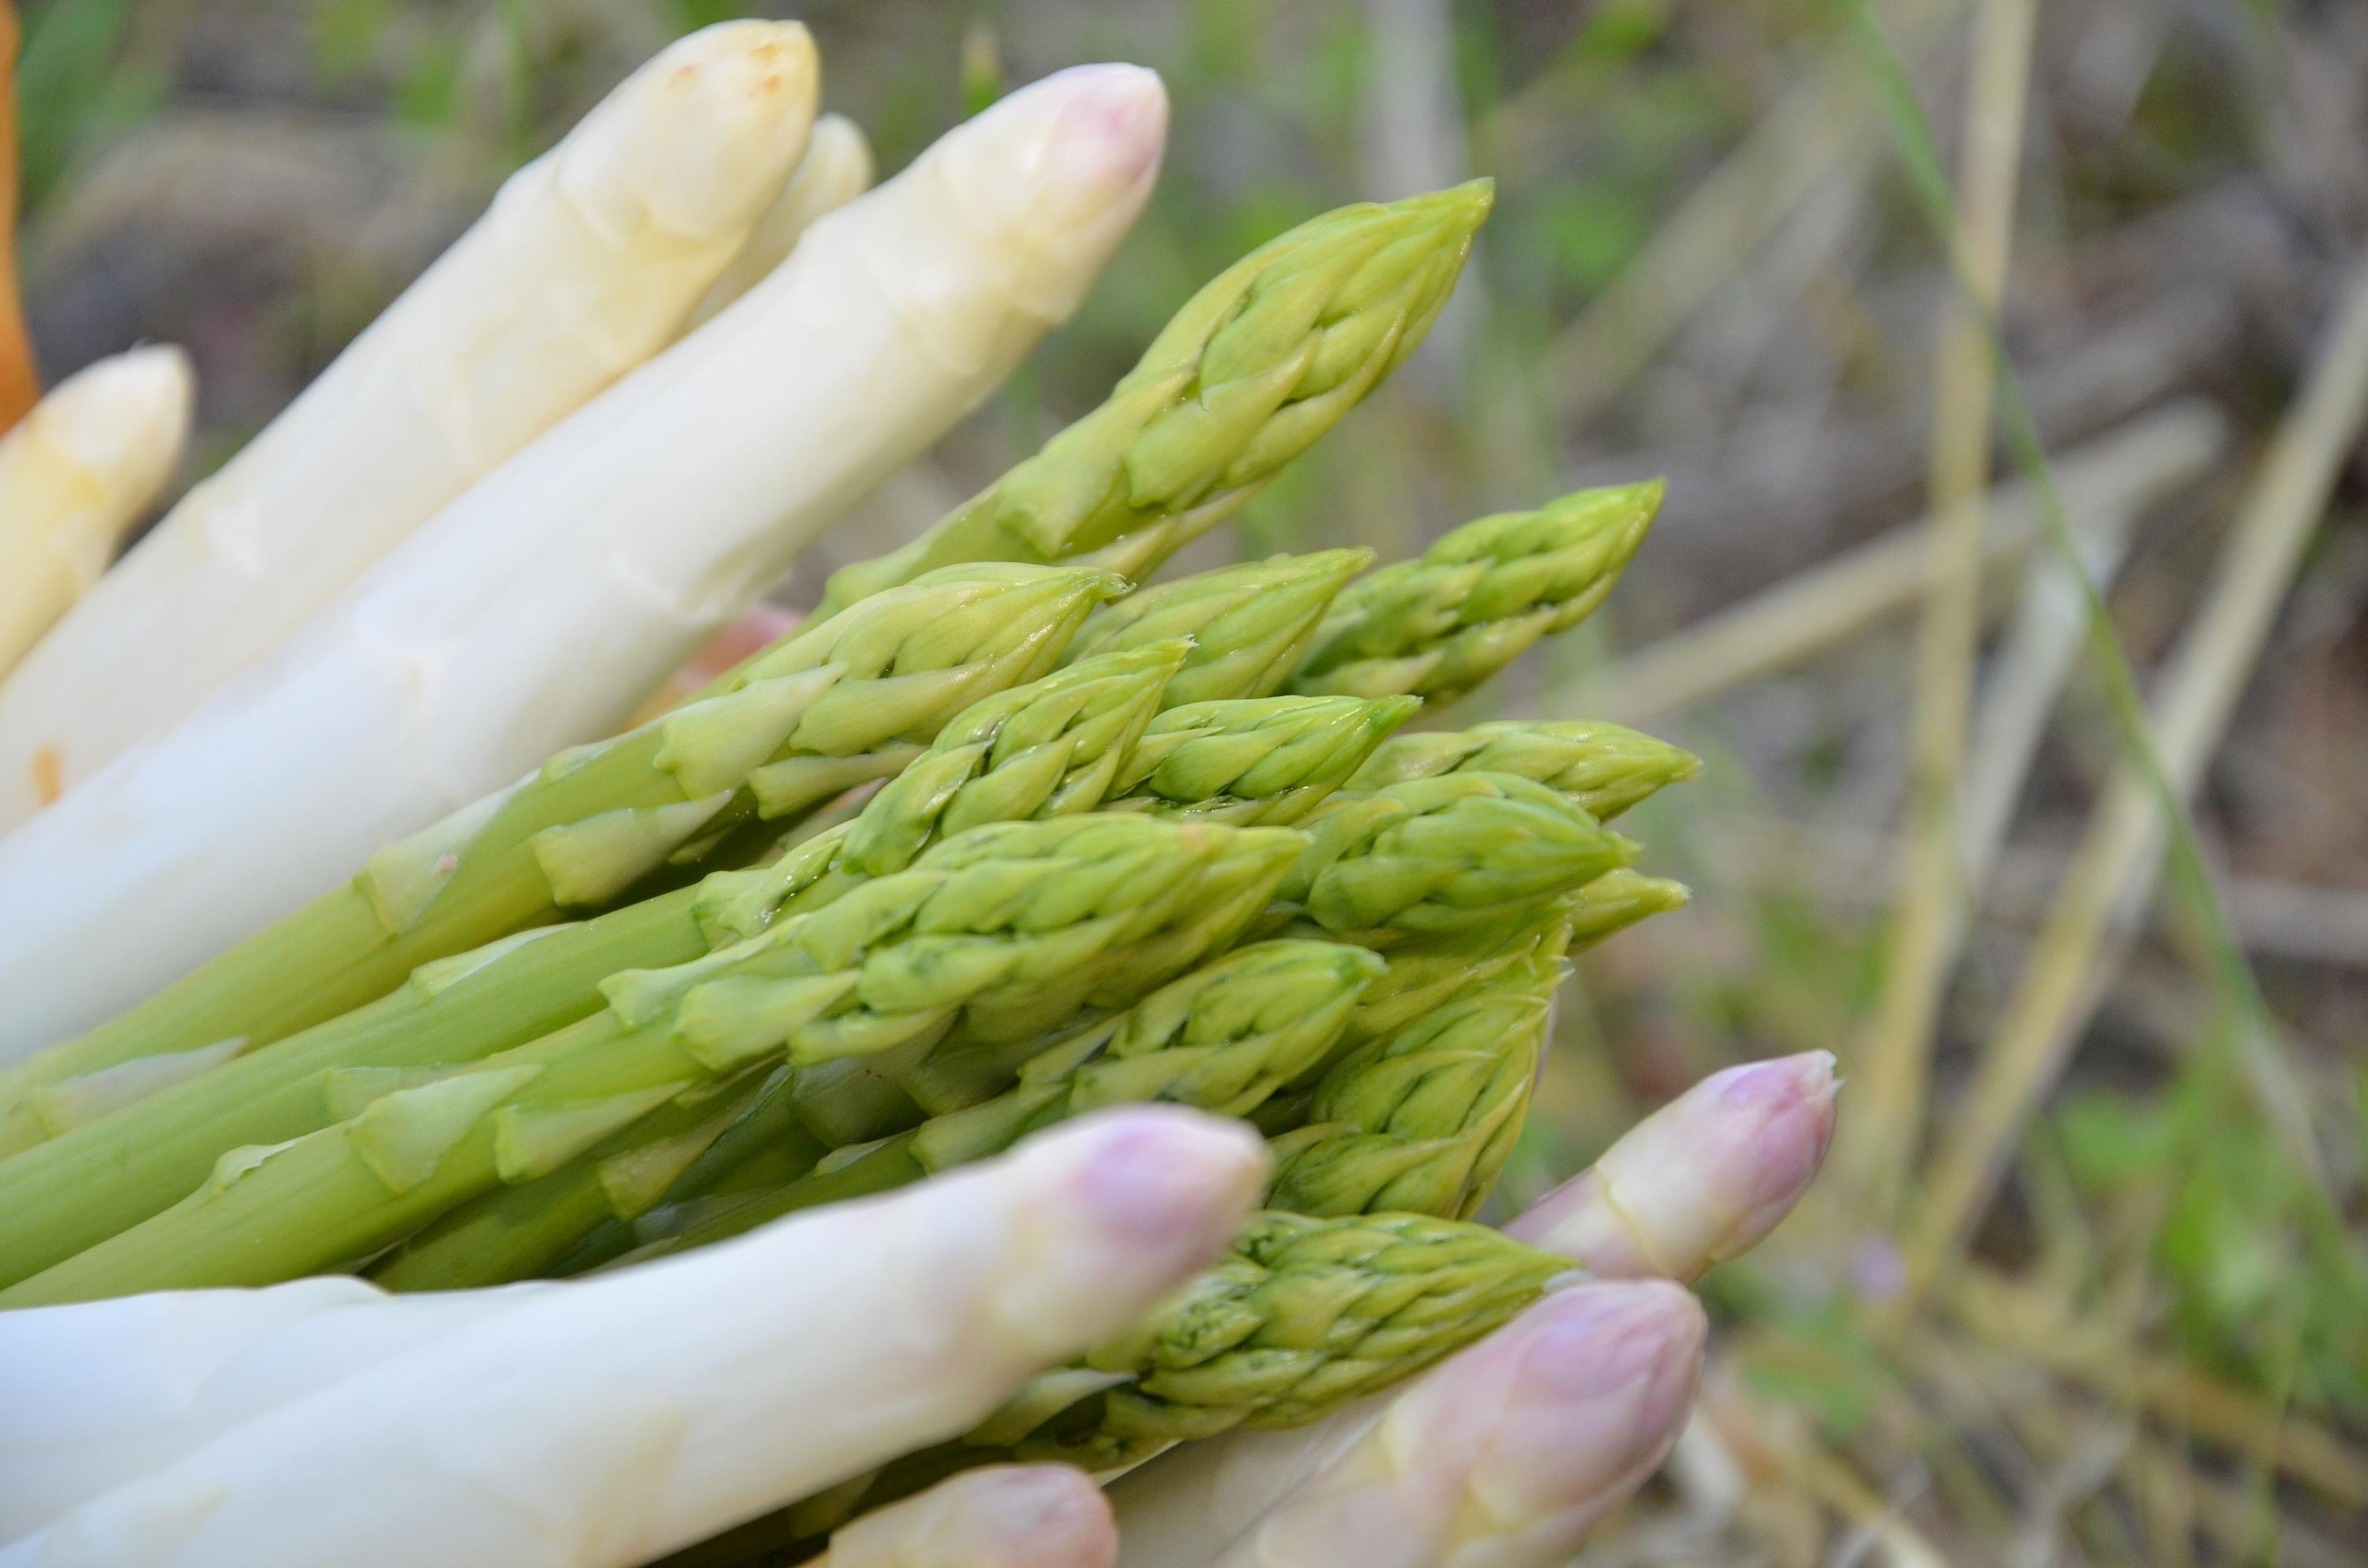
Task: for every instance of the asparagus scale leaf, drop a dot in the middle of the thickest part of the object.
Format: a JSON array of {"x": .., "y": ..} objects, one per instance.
[
  {"x": 1604, "y": 768},
  {"x": 1257, "y": 366},
  {"x": 1436, "y": 854},
  {"x": 1422, "y": 1119},
  {"x": 1248, "y": 623},
  {"x": 1272, "y": 760}
]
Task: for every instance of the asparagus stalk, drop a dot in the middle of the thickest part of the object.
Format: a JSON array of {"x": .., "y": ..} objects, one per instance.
[
  {"x": 1604, "y": 768},
  {"x": 960, "y": 947},
  {"x": 836, "y": 704},
  {"x": 1439, "y": 625},
  {"x": 537, "y": 608},
  {"x": 1303, "y": 1315},
  {"x": 86, "y": 1184},
  {"x": 584, "y": 267},
  {"x": 1249, "y": 624},
  {"x": 1256, "y": 366},
  {"x": 837, "y": 168},
  {"x": 1221, "y": 1039},
  {"x": 511, "y": 1436},
  {"x": 74, "y": 473},
  {"x": 1042, "y": 750},
  {"x": 1271, "y": 760},
  {"x": 1437, "y": 854}
]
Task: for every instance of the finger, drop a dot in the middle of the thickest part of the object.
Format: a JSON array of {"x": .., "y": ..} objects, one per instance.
[
  {"x": 1506, "y": 1455},
  {"x": 611, "y": 1420},
  {"x": 1699, "y": 1181},
  {"x": 1044, "y": 1515}
]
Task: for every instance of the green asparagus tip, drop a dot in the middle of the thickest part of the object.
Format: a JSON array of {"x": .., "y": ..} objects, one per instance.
[
  {"x": 1604, "y": 768},
  {"x": 1439, "y": 625},
  {"x": 1248, "y": 623},
  {"x": 1434, "y": 854},
  {"x": 1617, "y": 900}
]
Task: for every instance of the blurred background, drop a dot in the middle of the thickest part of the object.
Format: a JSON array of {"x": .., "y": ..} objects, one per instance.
[{"x": 2087, "y": 1280}]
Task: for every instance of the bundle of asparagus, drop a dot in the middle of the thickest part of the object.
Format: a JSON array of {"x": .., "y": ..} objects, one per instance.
[{"x": 1001, "y": 835}]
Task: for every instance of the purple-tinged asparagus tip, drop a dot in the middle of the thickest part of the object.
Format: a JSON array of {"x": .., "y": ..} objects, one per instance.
[
  {"x": 1008, "y": 1517},
  {"x": 1702, "y": 1180}
]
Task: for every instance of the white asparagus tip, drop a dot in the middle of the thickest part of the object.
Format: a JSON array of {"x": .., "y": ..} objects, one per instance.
[
  {"x": 77, "y": 472},
  {"x": 1702, "y": 1180},
  {"x": 1509, "y": 1452},
  {"x": 1008, "y": 1517},
  {"x": 699, "y": 140},
  {"x": 123, "y": 420},
  {"x": 1089, "y": 140},
  {"x": 1578, "y": 1401}
]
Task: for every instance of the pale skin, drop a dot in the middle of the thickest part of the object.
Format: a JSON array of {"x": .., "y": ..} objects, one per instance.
[{"x": 1502, "y": 1457}]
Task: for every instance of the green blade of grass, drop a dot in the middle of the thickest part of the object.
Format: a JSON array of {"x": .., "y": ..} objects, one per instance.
[{"x": 2022, "y": 1062}]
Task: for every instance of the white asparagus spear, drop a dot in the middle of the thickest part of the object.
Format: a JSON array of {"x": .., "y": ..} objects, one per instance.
[
  {"x": 1028, "y": 1516},
  {"x": 606, "y": 1421},
  {"x": 835, "y": 170},
  {"x": 94, "y": 1396},
  {"x": 1506, "y": 1456},
  {"x": 74, "y": 473},
  {"x": 586, "y": 264},
  {"x": 1700, "y": 1181},
  {"x": 535, "y": 611}
]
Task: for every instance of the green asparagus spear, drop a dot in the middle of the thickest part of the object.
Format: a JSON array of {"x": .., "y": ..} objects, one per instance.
[
  {"x": 1604, "y": 768},
  {"x": 849, "y": 699},
  {"x": 1220, "y": 1040},
  {"x": 1421, "y": 1119},
  {"x": 1266, "y": 761},
  {"x": 1271, "y": 760},
  {"x": 1436, "y": 854},
  {"x": 1255, "y": 368},
  {"x": 1050, "y": 746},
  {"x": 1439, "y": 625},
  {"x": 958, "y": 947},
  {"x": 1302, "y": 1316},
  {"x": 1305, "y": 1315},
  {"x": 1249, "y": 624}
]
